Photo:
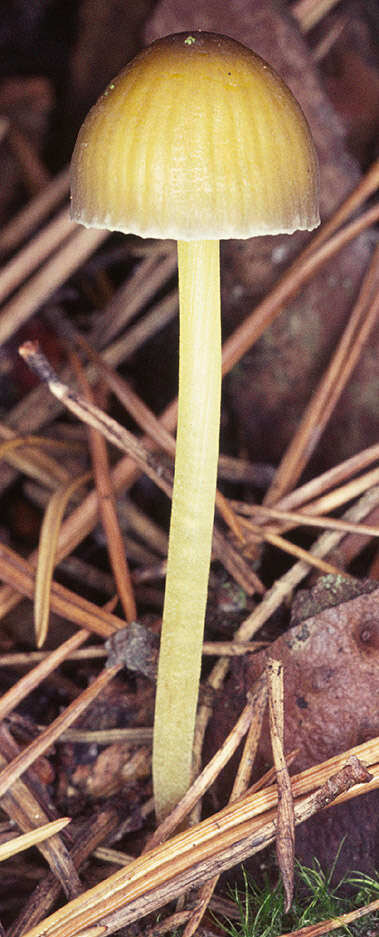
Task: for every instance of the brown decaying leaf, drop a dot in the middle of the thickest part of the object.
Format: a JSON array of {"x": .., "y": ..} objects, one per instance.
[
  {"x": 331, "y": 675},
  {"x": 273, "y": 599}
]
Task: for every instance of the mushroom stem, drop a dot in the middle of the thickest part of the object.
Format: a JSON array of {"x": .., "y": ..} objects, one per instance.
[{"x": 191, "y": 525}]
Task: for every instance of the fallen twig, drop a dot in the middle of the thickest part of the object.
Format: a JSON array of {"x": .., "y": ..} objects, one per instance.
[{"x": 188, "y": 859}]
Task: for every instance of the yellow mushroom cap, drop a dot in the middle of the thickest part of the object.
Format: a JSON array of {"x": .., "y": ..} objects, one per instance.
[{"x": 197, "y": 138}]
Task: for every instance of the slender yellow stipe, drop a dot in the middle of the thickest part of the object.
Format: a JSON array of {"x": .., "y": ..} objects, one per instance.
[{"x": 191, "y": 520}]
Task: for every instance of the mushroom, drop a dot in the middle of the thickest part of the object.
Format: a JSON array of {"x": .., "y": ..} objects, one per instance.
[{"x": 197, "y": 139}]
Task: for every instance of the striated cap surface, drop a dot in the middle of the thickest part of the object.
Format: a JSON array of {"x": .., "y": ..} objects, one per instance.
[{"x": 197, "y": 138}]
